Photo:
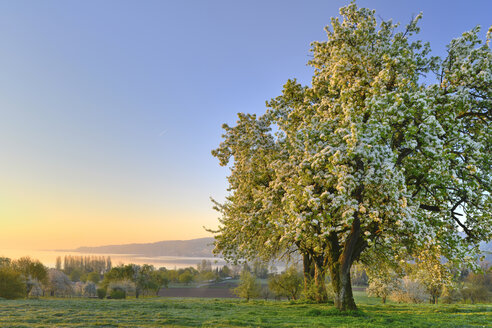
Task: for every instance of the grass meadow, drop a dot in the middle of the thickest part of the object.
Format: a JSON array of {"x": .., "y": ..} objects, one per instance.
[{"x": 188, "y": 312}]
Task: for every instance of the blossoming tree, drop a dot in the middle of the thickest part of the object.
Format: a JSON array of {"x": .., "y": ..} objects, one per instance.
[{"x": 367, "y": 159}]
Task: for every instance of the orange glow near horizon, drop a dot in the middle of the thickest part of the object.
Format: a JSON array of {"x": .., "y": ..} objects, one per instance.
[{"x": 50, "y": 221}]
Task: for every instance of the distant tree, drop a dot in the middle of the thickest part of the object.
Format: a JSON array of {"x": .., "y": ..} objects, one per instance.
[
  {"x": 94, "y": 277},
  {"x": 58, "y": 284},
  {"x": 248, "y": 286},
  {"x": 382, "y": 283},
  {"x": 478, "y": 287},
  {"x": 409, "y": 290},
  {"x": 75, "y": 275},
  {"x": 431, "y": 272},
  {"x": 89, "y": 289},
  {"x": 204, "y": 266},
  {"x": 32, "y": 271},
  {"x": 225, "y": 271},
  {"x": 5, "y": 261},
  {"x": 260, "y": 269},
  {"x": 358, "y": 275},
  {"x": 287, "y": 284},
  {"x": 186, "y": 277},
  {"x": 58, "y": 265},
  {"x": 159, "y": 280},
  {"x": 12, "y": 285},
  {"x": 36, "y": 289}
]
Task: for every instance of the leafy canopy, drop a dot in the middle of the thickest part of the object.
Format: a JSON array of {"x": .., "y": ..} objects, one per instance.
[{"x": 367, "y": 156}]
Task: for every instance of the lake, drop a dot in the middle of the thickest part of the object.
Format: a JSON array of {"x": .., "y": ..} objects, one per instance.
[{"x": 48, "y": 258}]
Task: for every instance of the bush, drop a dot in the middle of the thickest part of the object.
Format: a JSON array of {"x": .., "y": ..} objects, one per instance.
[
  {"x": 12, "y": 285},
  {"x": 127, "y": 286},
  {"x": 409, "y": 291},
  {"x": 101, "y": 293},
  {"x": 117, "y": 294}
]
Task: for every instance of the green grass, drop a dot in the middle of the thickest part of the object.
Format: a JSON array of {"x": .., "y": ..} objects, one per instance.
[{"x": 174, "y": 312}]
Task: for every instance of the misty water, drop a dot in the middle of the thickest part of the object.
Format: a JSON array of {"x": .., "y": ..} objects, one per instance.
[{"x": 48, "y": 258}]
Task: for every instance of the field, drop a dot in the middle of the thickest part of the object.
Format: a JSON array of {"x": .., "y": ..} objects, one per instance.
[{"x": 188, "y": 312}]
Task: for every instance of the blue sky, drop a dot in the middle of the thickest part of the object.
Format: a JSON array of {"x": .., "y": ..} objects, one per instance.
[{"x": 109, "y": 109}]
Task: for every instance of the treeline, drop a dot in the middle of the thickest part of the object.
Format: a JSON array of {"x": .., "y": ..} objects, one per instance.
[
  {"x": 94, "y": 276},
  {"x": 84, "y": 264}
]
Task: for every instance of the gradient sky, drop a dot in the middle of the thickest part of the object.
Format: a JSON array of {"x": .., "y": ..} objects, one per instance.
[{"x": 109, "y": 109}]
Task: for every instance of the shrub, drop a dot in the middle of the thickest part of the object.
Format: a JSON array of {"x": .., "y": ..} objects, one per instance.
[
  {"x": 101, "y": 293},
  {"x": 409, "y": 291},
  {"x": 117, "y": 294},
  {"x": 126, "y": 286}
]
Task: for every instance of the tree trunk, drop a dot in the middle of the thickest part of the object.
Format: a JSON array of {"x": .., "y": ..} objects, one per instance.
[
  {"x": 314, "y": 279},
  {"x": 321, "y": 296},
  {"x": 308, "y": 272},
  {"x": 341, "y": 257},
  {"x": 342, "y": 287}
]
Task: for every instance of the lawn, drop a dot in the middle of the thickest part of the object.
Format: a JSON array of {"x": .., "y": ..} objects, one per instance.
[{"x": 177, "y": 312}]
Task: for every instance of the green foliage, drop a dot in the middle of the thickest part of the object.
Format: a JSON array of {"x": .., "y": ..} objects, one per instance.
[
  {"x": 75, "y": 275},
  {"x": 32, "y": 271},
  {"x": 12, "y": 285},
  {"x": 185, "y": 278},
  {"x": 101, "y": 293},
  {"x": 287, "y": 284},
  {"x": 367, "y": 158},
  {"x": 248, "y": 286},
  {"x": 117, "y": 294},
  {"x": 478, "y": 287},
  {"x": 84, "y": 264},
  {"x": 94, "y": 277}
]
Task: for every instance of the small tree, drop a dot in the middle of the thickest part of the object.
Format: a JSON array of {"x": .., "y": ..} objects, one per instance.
[
  {"x": 36, "y": 290},
  {"x": 382, "y": 285},
  {"x": 58, "y": 283},
  {"x": 89, "y": 289},
  {"x": 431, "y": 272},
  {"x": 185, "y": 278},
  {"x": 160, "y": 280},
  {"x": 12, "y": 285},
  {"x": 288, "y": 283},
  {"x": 31, "y": 270},
  {"x": 248, "y": 286}
]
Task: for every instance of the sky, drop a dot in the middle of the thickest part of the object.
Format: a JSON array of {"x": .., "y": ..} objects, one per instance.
[{"x": 109, "y": 110}]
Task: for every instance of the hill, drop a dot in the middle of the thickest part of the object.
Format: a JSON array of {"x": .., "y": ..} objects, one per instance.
[{"x": 201, "y": 247}]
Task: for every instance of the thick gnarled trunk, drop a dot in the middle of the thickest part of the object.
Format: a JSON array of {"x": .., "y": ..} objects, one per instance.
[
  {"x": 340, "y": 259},
  {"x": 342, "y": 287}
]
